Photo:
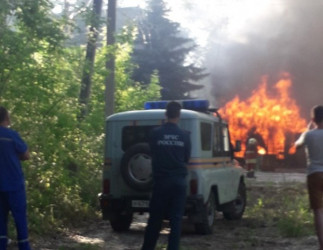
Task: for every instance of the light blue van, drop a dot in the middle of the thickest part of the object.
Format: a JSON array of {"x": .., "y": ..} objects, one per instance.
[{"x": 215, "y": 179}]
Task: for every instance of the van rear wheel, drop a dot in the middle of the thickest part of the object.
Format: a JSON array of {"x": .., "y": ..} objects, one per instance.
[
  {"x": 121, "y": 221},
  {"x": 208, "y": 216}
]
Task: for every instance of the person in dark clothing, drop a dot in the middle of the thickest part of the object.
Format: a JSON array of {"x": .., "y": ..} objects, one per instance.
[
  {"x": 252, "y": 133},
  {"x": 12, "y": 184},
  {"x": 171, "y": 149}
]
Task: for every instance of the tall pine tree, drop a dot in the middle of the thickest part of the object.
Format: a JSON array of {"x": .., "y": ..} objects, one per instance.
[{"x": 160, "y": 46}]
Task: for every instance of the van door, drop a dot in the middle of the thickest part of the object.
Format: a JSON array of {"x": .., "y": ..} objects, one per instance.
[
  {"x": 233, "y": 175},
  {"x": 222, "y": 153}
]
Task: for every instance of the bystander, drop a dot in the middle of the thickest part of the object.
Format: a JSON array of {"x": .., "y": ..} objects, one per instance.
[
  {"x": 170, "y": 147},
  {"x": 12, "y": 184}
]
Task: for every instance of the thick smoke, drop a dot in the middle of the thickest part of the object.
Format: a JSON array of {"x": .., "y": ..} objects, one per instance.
[{"x": 287, "y": 41}]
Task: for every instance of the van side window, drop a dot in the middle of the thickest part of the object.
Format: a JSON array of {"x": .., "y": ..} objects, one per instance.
[
  {"x": 221, "y": 140},
  {"x": 206, "y": 136},
  {"x": 132, "y": 135},
  {"x": 217, "y": 145},
  {"x": 226, "y": 140}
]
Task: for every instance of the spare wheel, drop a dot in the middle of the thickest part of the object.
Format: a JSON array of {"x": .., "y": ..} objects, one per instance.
[{"x": 136, "y": 167}]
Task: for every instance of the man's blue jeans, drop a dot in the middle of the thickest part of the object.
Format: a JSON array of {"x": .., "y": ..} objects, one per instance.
[
  {"x": 14, "y": 201},
  {"x": 168, "y": 197}
]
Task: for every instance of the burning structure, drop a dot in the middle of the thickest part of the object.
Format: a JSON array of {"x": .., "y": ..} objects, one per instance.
[{"x": 273, "y": 118}]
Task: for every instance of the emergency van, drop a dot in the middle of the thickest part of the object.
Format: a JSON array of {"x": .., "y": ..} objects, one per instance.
[{"x": 215, "y": 179}]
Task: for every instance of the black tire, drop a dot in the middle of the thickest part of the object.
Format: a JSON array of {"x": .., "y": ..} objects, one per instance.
[
  {"x": 208, "y": 216},
  {"x": 121, "y": 222},
  {"x": 237, "y": 207},
  {"x": 136, "y": 167}
]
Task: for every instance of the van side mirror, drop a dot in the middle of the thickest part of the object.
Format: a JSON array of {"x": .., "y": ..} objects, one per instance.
[{"x": 238, "y": 146}]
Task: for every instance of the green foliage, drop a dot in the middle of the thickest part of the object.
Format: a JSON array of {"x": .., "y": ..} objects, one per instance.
[
  {"x": 129, "y": 94},
  {"x": 40, "y": 86},
  {"x": 161, "y": 48},
  {"x": 66, "y": 157}
]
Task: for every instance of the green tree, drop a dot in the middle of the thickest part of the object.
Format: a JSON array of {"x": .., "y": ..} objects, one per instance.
[
  {"x": 160, "y": 46},
  {"x": 129, "y": 94},
  {"x": 40, "y": 83},
  {"x": 93, "y": 35},
  {"x": 25, "y": 28}
]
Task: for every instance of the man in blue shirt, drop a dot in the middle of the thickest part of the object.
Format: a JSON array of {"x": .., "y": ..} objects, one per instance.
[
  {"x": 170, "y": 148},
  {"x": 12, "y": 184}
]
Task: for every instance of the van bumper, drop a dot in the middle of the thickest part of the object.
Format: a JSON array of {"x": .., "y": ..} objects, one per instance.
[{"x": 110, "y": 205}]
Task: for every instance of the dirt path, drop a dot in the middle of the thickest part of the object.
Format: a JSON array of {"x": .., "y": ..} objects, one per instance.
[{"x": 249, "y": 233}]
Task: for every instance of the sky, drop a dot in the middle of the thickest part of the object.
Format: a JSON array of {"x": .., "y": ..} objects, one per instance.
[{"x": 196, "y": 17}]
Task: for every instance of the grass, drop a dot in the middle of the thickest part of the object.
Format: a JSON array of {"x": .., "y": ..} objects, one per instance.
[{"x": 285, "y": 207}]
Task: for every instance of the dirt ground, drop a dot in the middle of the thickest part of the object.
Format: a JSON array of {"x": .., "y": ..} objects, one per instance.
[{"x": 248, "y": 233}]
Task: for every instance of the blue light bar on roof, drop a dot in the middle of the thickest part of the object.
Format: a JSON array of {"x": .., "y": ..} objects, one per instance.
[
  {"x": 156, "y": 105},
  {"x": 197, "y": 105}
]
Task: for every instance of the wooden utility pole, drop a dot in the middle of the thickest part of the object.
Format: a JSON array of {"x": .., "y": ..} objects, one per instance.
[{"x": 110, "y": 64}]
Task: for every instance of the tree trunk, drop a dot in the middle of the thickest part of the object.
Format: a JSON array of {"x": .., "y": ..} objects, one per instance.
[
  {"x": 110, "y": 64},
  {"x": 89, "y": 58}
]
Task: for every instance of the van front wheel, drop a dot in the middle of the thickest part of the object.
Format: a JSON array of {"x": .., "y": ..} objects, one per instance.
[
  {"x": 208, "y": 216},
  {"x": 237, "y": 207}
]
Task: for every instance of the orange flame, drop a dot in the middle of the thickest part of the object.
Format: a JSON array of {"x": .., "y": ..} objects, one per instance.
[{"x": 275, "y": 118}]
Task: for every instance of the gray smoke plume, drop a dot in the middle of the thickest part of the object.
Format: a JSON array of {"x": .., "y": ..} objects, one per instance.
[{"x": 287, "y": 41}]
